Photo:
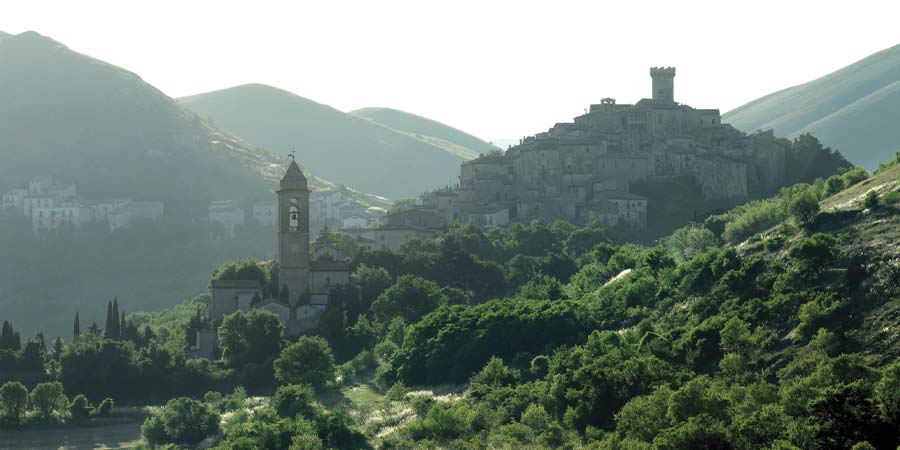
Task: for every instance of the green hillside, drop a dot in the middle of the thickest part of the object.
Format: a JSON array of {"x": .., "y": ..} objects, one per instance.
[
  {"x": 451, "y": 139},
  {"x": 103, "y": 128},
  {"x": 853, "y": 109},
  {"x": 338, "y": 146},
  {"x": 94, "y": 124}
]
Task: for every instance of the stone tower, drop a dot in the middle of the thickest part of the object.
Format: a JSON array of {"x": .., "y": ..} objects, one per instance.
[
  {"x": 293, "y": 233},
  {"x": 663, "y": 84}
]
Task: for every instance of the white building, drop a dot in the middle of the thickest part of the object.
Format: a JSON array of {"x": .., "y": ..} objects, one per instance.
[
  {"x": 64, "y": 215},
  {"x": 226, "y": 213},
  {"x": 32, "y": 201},
  {"x": 14, "y": 199},
  {"x": 326, "y": 205},
  {"x": 125, "y": 214},
  {"x": 355, "y": 222},
  {"x": 37, "y": 184},
  {"x": 497, "y": 218}
]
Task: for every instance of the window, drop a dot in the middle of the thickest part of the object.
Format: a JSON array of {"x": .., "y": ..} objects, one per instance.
[{"x": 294, "y": 218}]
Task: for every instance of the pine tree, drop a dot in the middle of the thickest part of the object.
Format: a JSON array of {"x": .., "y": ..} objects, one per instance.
[
  {"x": 94, "y": 329},
  {"x": 76, "y": 331},
  {"x": 123, "y": 326},
  {"x": 107, "y": 329}
]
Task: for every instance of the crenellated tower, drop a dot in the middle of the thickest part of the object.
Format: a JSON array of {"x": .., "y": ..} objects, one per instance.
[
  {"x": 663, "y": 84},
  {"x": 293, "y": 233}
]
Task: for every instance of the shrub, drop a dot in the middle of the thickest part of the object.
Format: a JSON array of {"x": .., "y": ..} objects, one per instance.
[
  {"x": 825, "y": 311},
  {"x": 105, "y": 407},
  {"x": 814, "y": 254},
  {"x": 890, "y": 198},
  {"x": 213, "y": 398},
  {"x": 294, "y": 399},
  {"x": 833, "y": 185},
  {"x": 872, "y": 200},
  {"x": 235, "y": 400},
  {"x": 855, "y": 175},
  {"x": 804, "y": 207},
  {"x": 181, "y": 421},
  {"x": 80, "y": 408}
]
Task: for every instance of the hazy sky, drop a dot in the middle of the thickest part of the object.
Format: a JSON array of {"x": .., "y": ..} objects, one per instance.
[{"x": 496, "y": 69}]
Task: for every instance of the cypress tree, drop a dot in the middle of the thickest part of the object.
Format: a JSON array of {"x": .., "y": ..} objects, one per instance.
[
  {"x": 6, "y": 336},
  {"x": 58, "y": 347},
  {"x": 76, "y": 331},
  {"x": 107, "y": 329},
  {"x": 123, "y": 326},
  {"x": 116, "y": 332}
]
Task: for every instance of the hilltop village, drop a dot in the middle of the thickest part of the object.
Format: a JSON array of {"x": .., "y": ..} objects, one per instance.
[{"x": 583, "y": 171}]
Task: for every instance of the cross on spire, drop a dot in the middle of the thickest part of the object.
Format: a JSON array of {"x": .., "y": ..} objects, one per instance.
[{"x": 293, "y": 153}]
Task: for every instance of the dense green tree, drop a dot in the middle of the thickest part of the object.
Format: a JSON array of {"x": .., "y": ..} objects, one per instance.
[
  {"x": 410, "y": 297},
  {"x": 804, "y": 207},
  {"x": 182, "y": 421},
  {"x": 97, "y": 367},
  {"x": 372, "y": 281},
  {"x": 686, "y": 243},
  {"x": 48, "y": 398},
  {"x": 76, "y": 328},
  {"x": 814, "y": 254},
  {"x": 251, "y": 337},
  {"x": 307, "y": 361},
  {"x": 13, "y": 399}
]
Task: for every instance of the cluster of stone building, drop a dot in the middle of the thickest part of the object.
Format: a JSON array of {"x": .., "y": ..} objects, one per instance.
[
  {"x": 583, "y": 171},
  {"x": 52, "y": 206},
  {"x": 305, "y": 280},
  {"x": 328, "y": 208}
]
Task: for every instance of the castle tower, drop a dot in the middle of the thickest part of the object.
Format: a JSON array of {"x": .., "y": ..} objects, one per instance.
[
  {"x": 663, "y": 84},
  {"x": 293, "y": 233}
]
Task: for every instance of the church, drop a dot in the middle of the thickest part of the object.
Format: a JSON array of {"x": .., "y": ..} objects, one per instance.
[{"x": 306, "y": 282}]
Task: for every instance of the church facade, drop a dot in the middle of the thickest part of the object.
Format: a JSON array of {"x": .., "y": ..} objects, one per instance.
[{"x": 305, "y": 282}]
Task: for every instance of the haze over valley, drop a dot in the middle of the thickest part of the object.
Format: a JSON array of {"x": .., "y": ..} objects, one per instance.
[{"x": 457, "y": 225}]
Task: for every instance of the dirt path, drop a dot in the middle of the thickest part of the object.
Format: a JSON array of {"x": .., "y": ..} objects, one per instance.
[{"x": 103, "y": 437}]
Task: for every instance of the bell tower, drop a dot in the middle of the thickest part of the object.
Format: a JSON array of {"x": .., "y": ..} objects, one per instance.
[{"x": 293, "y": 233}]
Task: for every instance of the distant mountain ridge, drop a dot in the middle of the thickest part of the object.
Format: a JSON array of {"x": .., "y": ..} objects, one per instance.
[
  {"x": 854, "y": 109},
  {"x": 88, "y": 122},
  {"x": 342, "y": 147},
  {"x": 452, "y": 139}
]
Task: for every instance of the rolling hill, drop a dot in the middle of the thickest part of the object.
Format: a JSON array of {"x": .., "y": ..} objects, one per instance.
[
  {"x": 336, "y": 145},
  {"x": 100, "y": 126},
  {"x": 451, "y": 139},
  {"x": 87, "y": 122},
  {"x": 854, "y": 109}
]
